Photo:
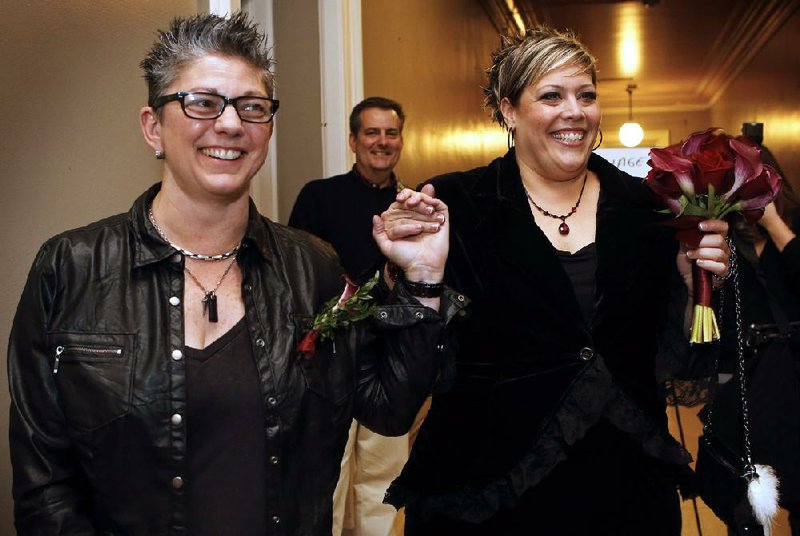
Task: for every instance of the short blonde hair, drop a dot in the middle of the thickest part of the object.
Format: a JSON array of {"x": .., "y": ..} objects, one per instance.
[{"x": 523, "y": 60}]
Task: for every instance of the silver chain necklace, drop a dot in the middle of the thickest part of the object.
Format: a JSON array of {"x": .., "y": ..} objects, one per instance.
[{"x": 186, "y": 252}]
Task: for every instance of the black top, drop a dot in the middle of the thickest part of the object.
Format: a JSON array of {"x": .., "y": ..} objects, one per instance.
[
  {"x": 580, "y": 268},
  {"x": 339, "y": 210},
  {"x": 226, "y": 444}
]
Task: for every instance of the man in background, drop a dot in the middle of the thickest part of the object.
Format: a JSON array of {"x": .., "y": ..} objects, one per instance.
[{"x": 339, "y": 210}]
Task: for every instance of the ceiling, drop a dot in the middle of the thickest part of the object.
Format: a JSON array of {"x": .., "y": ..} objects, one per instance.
[{"x": 689, "y": 50}]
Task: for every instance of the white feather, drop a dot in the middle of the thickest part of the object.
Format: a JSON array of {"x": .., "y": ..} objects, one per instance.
[{"x": 762, "y": 492}]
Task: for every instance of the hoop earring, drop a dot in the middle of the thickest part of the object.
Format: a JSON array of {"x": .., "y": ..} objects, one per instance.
[
  {"x": 599, "y": 143},
  {"x": 160, "y": 155},
  {"x": 510, "y": 137}
]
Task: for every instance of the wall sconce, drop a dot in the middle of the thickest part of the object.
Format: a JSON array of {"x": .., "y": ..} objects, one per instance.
[{"x": 630, "y": 133}]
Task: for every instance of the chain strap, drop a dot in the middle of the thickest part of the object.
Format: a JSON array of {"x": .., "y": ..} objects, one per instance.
[{"x": 749, "y": 467}]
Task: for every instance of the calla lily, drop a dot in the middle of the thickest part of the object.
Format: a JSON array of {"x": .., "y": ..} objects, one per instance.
[
  {"x": 748, "y": 165},
  {"x": 350, "y": 288},
  {"x": 693, "y": 143},
  {"x": 681, "y": 169},
  {"x": 754, "y": 195},
  {"x": 666, "y": 189}
]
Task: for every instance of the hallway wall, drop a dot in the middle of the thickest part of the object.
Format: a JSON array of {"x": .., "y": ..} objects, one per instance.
[
  {"x": 766, "y": 91},
  {"x": 297, "y": 125},
  {"x": 431, "y": 57},
  {"x": 72, "y": 151}
]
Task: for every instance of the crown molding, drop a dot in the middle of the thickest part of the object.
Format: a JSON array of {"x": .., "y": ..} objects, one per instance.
[{"x": 743, "y": 36}]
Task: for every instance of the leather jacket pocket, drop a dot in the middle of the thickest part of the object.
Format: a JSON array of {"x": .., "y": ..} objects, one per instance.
[
  {"x": 329, "y": 372},
  {"x": 94, "y": 374}
]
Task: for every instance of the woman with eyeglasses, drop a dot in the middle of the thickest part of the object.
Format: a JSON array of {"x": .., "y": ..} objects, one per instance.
[{"x": 156, "y": 382}]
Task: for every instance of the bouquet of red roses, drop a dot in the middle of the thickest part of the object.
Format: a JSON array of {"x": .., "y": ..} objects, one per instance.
[{"x": 710, "y": 175}]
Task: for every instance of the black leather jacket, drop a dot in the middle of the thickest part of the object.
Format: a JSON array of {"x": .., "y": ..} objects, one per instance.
[{"x": 97, "y": 377}]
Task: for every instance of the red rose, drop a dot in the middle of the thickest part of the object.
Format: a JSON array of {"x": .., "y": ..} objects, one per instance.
[{"x": 711, "y": 167}]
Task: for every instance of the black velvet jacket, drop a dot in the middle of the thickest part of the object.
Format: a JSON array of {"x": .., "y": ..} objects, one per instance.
[
  {"x": 98, "y": 381},
  {"x": 527, "y": 377}
]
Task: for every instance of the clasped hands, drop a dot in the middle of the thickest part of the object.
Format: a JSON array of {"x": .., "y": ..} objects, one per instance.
[{"x": 414, "y": 234}]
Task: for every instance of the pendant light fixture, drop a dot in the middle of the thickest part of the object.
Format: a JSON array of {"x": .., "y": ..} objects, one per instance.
[{"x": 630, "y": 133}]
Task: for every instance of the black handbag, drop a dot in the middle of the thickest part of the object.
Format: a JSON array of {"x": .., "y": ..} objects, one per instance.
[{"x": 722, "y": 484}]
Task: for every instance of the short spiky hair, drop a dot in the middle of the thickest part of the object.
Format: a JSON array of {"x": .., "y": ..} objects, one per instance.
[
  {"x": 523, "y": 60},
  {"x": 191, "y": 38},
  {"x": 374, "y": 102}
]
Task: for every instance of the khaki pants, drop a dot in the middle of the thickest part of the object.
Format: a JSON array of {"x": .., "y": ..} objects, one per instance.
[{"x": 370, "y": 463}]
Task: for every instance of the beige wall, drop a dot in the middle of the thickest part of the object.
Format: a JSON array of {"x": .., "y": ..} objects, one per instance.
[
  {"x": 430, "y": 56},
  {"x": 71, "y": 151},
  {"x": 766, "y": 91},
  {"x": 297, "y": 125}
]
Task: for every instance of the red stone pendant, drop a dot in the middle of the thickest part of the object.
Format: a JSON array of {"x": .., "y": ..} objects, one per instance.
[{"x": 563, "y": 228}]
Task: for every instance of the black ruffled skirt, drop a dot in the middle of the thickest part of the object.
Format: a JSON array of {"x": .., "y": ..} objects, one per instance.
[{"x": 598, "y": 465}]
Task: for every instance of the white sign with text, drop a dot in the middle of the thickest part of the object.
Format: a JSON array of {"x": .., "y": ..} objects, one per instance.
[{"x": 632, "y": 161}]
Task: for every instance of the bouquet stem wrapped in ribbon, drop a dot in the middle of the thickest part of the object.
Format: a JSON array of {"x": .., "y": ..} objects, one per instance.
[
  {"x": 710, "y": 175},
  {"x": 353, "y": 305}
]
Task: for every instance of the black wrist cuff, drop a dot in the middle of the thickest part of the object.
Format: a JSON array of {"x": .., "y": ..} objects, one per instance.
[{"x": 417, "y": 289}]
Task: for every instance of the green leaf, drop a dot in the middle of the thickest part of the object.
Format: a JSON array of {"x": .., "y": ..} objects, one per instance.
[{"x": 357, "y": 307}]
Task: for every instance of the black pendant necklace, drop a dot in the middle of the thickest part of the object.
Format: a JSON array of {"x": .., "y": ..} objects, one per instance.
[
  {"x": 563, "y": 228},
  {"x": 210, "y": 296}
]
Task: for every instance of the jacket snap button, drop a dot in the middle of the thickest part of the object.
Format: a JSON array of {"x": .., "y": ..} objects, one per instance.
[
  {"x": 177, "y": 355},
  {"x": 272, "y": 400},
  {"x": 175, "y": 300},
  {"x": 461, "y": 298},
  {"x": 276, "y": 520},
  {"x": 177, "y": 482},
  {"x": 383, "y": 314},
  {"x": 586, "y": 353},
  {"x": 418, "y": 314},
  {"x": 273, "y": 460},
  {"x": 260, "y": 343},
  {"x": 176, "y": 419},
  {"x": 176, "y": 258}
]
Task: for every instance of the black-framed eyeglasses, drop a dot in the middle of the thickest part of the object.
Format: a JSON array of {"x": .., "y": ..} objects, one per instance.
[{"x": 199, "y": 105}]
